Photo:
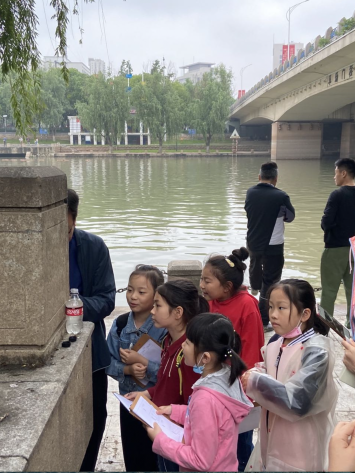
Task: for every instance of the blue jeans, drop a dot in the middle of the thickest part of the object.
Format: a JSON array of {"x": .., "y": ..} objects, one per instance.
[
  {"x": 245, "y": 447},
  {"x": 166, "y": 465}
]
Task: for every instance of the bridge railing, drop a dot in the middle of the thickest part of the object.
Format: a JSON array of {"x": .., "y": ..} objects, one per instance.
[{"x": 320, "y": 42}]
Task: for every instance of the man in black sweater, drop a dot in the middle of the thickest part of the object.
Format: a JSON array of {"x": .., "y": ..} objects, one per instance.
[
  {"x": 267, "y": 209},
  {"x": 338, "y": 224}
]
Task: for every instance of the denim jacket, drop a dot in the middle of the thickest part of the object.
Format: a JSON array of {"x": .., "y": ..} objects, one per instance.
[{"x": 130, "y": 335}]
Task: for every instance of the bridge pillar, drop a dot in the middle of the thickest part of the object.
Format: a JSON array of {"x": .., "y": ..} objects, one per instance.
[
  {"x": 296, "y": 140},
  {"x": 347, "y": 144}
]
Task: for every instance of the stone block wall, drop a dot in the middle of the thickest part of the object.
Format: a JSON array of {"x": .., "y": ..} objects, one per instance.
[{"x": 34, "y": 277}]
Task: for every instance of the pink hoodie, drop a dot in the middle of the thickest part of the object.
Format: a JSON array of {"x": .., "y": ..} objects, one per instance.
[{"x": 211, "y": 422}]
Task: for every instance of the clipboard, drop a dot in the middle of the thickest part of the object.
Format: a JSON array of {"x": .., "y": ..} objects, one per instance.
[
  {"x": 167, "y": 425},
  {"x": 140, "y": 343},
  {"x": 134, "y": 403},
  {"x": 143, "y": 340}
]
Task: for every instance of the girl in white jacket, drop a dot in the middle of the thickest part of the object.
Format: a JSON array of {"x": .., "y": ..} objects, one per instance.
[{"x": 297, "y": 393}]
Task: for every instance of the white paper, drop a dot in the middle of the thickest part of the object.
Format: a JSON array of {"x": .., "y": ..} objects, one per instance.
[
  {"x": 251, "y": 421},
  {"x": 148, "y": 414},
  {"x": 124, "y": 401},
  {"x": 151, "y": 351}
]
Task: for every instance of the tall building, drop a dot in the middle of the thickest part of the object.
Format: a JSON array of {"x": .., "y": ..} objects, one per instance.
[
  {"x": 195, "y": 71},
  {"x": 55, "y": 61},
  {"x": 280, "y": 53},
  {"x": 96, "y": 66}
]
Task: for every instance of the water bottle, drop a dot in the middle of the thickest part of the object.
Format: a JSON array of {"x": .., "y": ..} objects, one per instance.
[{"x": 74, "y": 313}]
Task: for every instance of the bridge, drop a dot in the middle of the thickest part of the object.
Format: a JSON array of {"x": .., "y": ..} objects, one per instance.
[{"x": 304, "y": 94}]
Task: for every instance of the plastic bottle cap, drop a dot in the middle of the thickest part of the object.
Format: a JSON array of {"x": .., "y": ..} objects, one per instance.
[
  {"x": 72, "y": 338},
  {"x": 74, "y": 291},
  {"x": 66, "y": 344}
]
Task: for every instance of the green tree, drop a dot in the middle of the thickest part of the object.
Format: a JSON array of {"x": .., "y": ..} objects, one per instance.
[
  {"x": 213, "y": 97},
  {"x": 158, "y": 105},
  {"x": 106, "y": 108},
  {"x": 5, "y": 101},
  {"x": 53, "y": 90},
  {"x": 157, "y": 68},
  {"x": 19, "y": 54},
  {"x": 75, "y": 92},
  {"x": 126, "y": 68}
]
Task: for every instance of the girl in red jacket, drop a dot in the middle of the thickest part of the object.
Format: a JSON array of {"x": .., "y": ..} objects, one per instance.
[
  {"x": 222, "y": 285},
  {"x": 175, "y": 304}
]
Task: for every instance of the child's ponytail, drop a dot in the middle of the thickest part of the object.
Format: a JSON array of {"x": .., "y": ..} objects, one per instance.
[{"x": 214, "y": 332}]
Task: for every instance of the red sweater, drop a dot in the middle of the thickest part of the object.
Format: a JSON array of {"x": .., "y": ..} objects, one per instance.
[
  {"x": 168, "y": 389},
  {"x": 243, "y": 311}
]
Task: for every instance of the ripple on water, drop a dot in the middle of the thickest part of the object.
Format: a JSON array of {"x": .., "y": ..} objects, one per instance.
[{"x": 159, "y": 209}]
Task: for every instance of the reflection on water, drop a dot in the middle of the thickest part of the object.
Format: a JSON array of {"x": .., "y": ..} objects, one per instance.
[{"x": 154, "y": 210}]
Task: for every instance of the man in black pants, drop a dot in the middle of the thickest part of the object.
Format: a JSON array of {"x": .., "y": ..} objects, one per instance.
[
  {"x": 90, "y": 271},
  {"x": 267, "y": 209}
]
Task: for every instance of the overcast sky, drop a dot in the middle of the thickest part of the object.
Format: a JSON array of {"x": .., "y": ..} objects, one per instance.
[{"x": 233, "y": 32}]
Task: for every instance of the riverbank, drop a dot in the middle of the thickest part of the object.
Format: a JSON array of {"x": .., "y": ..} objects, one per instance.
[
  {"x": 212, "y": 154},
  {"x": 110, "y": 455}
]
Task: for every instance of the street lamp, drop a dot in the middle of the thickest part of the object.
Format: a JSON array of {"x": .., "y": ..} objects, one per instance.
[
  {"x": 4, "y": 117},
  {"x": 288, "y": 18},
  {"x": 241, "y": 74}
]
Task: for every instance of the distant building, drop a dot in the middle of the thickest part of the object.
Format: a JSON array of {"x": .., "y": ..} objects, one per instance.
[
  {"x": 195, "y": 71},
  {"x": 55, "y": 61},
  {"x": 280, "y": 53},
  {"x": 96, "y": 66}
]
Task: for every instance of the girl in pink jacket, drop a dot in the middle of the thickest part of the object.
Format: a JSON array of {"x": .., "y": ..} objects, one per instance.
[
  {"x": 217, "y": 404},
  {"x": 297, "y": 391}
]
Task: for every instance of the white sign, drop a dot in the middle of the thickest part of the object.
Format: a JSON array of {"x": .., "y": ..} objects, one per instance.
[{"x": 235, "y": 135}]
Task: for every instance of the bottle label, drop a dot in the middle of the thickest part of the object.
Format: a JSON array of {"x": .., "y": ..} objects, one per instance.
[{"x": 74, "y": 312}]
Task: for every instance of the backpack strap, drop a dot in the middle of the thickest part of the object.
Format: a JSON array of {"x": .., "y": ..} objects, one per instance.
[
  {"x": 121, "y": 322},
  {"x": 179, "y": 358}
]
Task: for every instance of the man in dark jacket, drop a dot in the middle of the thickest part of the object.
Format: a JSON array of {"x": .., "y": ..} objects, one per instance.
[
  {"x": 90, "y": 271},
  {"x": 267, "y": 209},
  {"x": 338, "y": 224}
]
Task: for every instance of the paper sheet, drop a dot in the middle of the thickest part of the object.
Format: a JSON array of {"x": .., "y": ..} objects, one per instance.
[
  {"x": 251, "y": 421},
  {"x": 151, "y": 351},
  {"x": 126, "y": 403},
  {"x": 147, "y": 412}
]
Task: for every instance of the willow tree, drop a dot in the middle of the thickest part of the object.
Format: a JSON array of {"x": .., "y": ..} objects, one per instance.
[
  {"x": 213, "y": 97},
  {"x": 106, "y": 108},
  {"x": 19, "y": 54},
  {"x": 158, "y": 105}
]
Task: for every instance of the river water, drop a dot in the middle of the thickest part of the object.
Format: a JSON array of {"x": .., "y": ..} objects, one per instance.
[{"x": 154, "y": 210}]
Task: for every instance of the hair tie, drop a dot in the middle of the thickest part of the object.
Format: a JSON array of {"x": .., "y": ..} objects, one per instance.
[
  {"x": 228, "y": 353},
  {"x": 231, "y": 264}
]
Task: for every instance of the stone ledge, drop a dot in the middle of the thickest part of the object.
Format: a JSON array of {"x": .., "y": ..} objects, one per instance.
[
  {"x": 49, "y": 411},
  {"x": 31, "y": 355},
  {"x": 32, "y": 186}
]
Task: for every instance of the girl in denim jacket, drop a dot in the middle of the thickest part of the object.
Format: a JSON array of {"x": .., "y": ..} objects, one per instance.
[{"x": 127, "y": 365}]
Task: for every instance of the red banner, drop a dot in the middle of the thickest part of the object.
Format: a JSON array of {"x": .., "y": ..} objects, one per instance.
[
  {"x": 284, "y": 53},
  {"x": 292, "y": 50},
  {"x": 241, "y": 93}
]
